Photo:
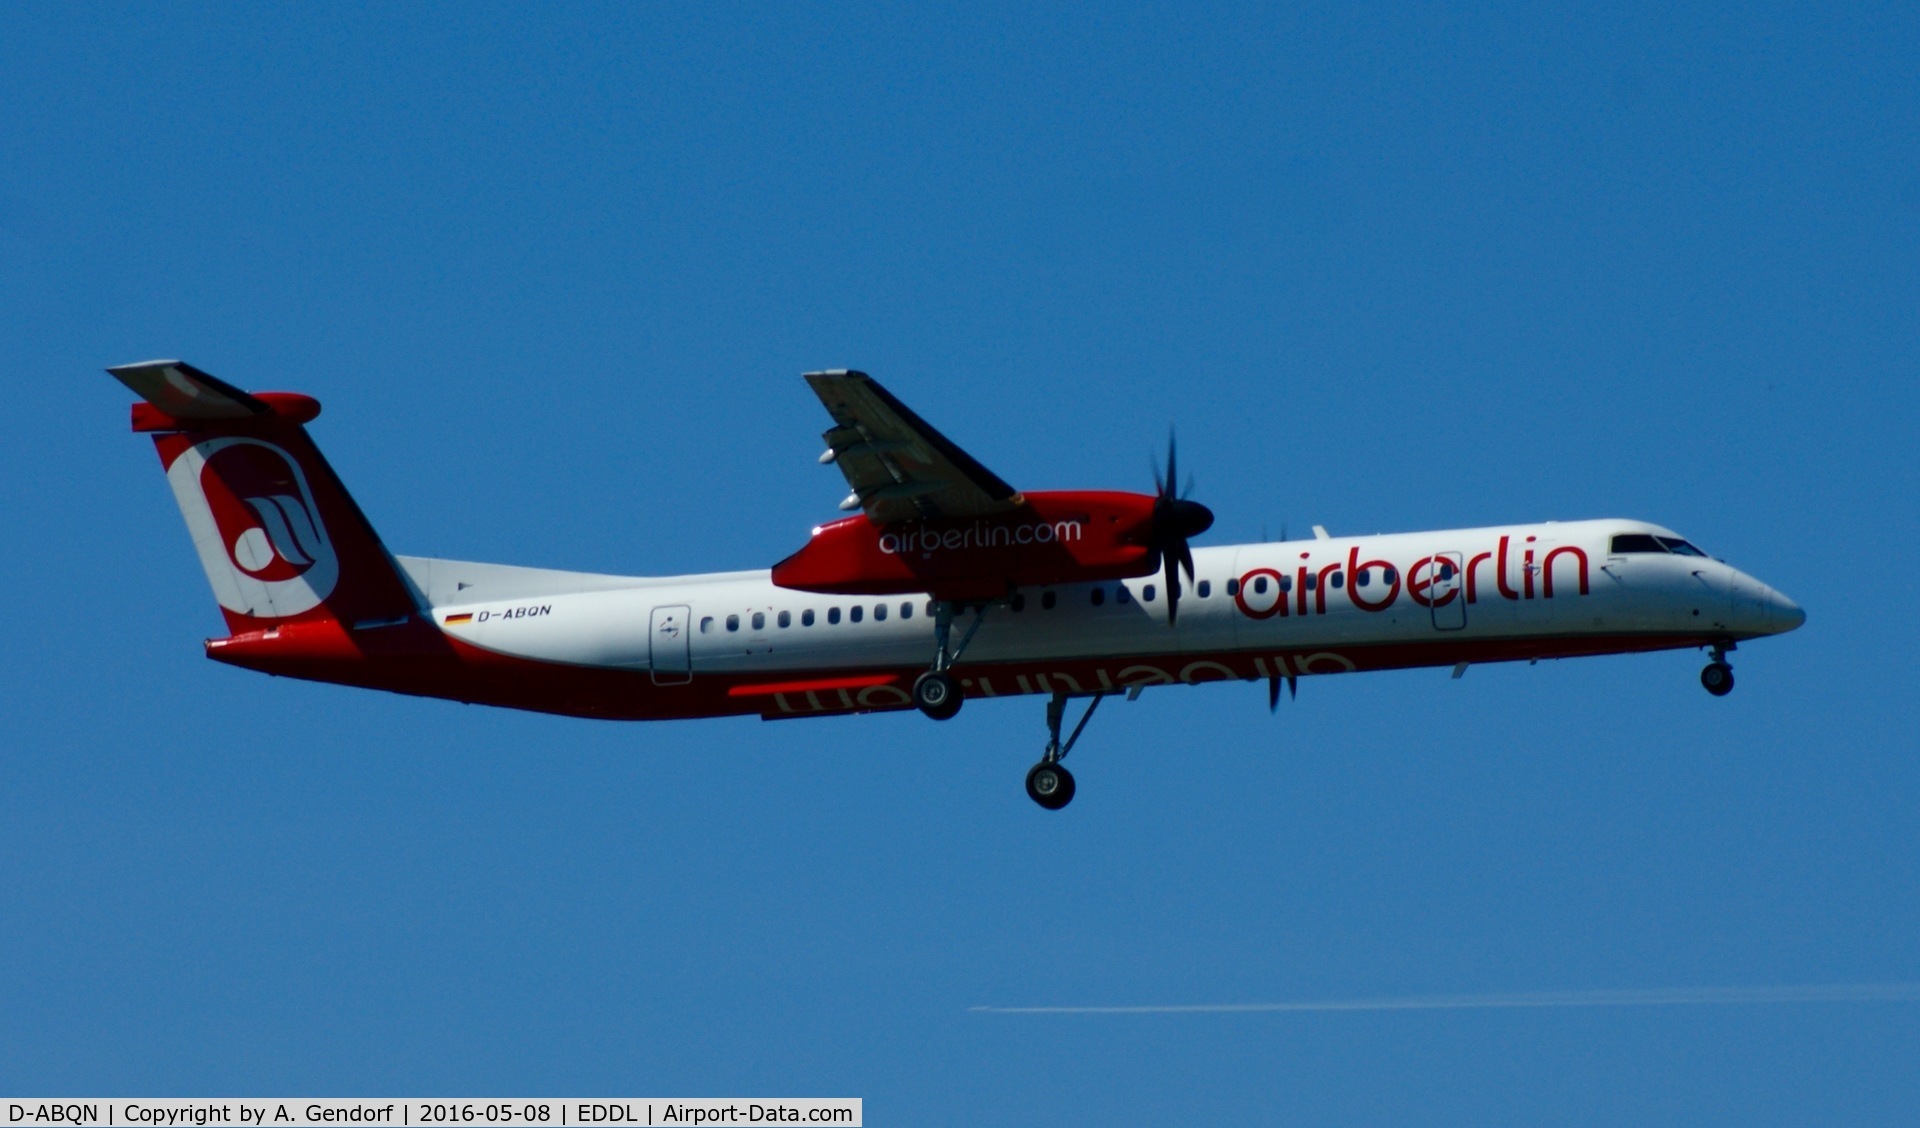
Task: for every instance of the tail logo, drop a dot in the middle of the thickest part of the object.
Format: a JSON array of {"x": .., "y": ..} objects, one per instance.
[
  {"x": 257, "y": 525},
  {"x": 265, "y": 522}
]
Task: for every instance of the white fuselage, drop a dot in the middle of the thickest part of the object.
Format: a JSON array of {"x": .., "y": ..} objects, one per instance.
[{"x": 1305, "y": 598}]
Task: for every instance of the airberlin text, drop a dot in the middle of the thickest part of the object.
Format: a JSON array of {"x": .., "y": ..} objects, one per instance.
[
  {"x": 981, "y": 534},
  {"x": 1431, "y": 581},
  {"x": 1102, "y": 679}
]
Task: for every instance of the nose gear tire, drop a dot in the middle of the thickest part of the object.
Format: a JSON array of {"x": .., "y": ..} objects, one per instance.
[{"x": 1718, "y": 678}]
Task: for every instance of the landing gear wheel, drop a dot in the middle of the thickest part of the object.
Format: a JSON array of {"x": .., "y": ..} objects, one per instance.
[
  {"x": 1718, "y": 678},
  {"x": 1050, "y": 785},
  {"x": 936, "y": 694}
]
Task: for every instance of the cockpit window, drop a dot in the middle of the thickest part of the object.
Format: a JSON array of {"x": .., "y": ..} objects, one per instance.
[
  {"x": 1642, "y": 542},
  {"x": 1635, "y": 542},
  {"x": 1679, "y": 547}
]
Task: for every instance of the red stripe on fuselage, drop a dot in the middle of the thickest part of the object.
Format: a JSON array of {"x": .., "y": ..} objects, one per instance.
[
  {"x": 768, "y": 689},
  {"x": 417, "y": 658}
]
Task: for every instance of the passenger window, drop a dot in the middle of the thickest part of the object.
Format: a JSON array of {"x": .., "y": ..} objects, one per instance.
[
  {"x": 785, "y": 620},
  {"x": 1099, "y": 596},
  {"x": 1233, "y": 586},
  {"x": 1121, "y": 594},
  {"x": 759, "y": 620},
  {"x": 1339, "y": 579},
  {"x": 1387, "y": 575},
  {"x": 1446, "y": 571},
  {"x": 733, "y": 622},
  {"x": 879, "y": 612},
  {"x": 1635, "y": 542},
  {"x": 833, "y": 616},
  {"x": 1679, "y": 547},
  {"x": 1313, "y": 582},
  {"x": 906, "y": 610},
  {"x": 1205, "y": 589},
  {"x": 806, "y": 617},
  {"x": 1146, "y": 594},
  {"x": 854, "y": 614},
  {"x": 1019, "y": 602},
  {"x": 1364, "y": 579},
  {"x": 929, "y": 608},
  {"x": 1046, "y": 601},
  {"x": 1260, "y": 585},
  {"x": 706, "y": 625},
  {"x": 1286, "y": 583}
]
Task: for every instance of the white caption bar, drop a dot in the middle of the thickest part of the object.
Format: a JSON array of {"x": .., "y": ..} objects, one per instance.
[{"x": 297, "y": 1112}]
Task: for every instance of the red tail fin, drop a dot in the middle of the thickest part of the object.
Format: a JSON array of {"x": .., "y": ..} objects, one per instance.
[{"x": 279, "y": 536}]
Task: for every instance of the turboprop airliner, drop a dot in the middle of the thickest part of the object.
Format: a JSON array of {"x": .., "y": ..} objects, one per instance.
[{"x": 943, "y": 584}]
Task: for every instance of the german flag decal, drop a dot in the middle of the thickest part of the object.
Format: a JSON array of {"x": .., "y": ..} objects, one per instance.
[{"x": 463, "y": 617}]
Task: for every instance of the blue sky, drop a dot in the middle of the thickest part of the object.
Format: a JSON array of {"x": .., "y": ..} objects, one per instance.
[{"x": 555, "y": 273}]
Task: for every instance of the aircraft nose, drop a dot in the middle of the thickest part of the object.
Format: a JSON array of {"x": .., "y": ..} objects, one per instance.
[
  {"x": 1761, "y": 609},
  {"x": 1785, "y": 614}
]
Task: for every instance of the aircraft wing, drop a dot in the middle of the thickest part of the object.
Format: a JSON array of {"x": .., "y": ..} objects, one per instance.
[{"x": 900, "y": 468}]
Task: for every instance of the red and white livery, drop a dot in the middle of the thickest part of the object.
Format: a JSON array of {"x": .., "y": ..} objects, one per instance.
[{"x": 947, "y": 585}]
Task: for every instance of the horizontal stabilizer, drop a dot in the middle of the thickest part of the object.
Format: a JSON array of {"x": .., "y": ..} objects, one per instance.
[{"x": 184, "y": 392}]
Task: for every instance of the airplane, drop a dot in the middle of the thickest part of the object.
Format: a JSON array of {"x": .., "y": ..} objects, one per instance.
[{"x": 946, "y": 585}]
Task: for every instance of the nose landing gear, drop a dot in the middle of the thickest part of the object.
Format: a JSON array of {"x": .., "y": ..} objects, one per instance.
[
  {"x": 1049, "y": 784},
  {"x": 1718, "y": 675},
  {"x": 937, "y": 693}
]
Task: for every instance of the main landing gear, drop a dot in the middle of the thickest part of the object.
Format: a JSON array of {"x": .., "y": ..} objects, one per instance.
[
  {"x": 937, "y": 692},
  {"x": 1718, "y": 675},
  {"x": 1049, "y": 784}
]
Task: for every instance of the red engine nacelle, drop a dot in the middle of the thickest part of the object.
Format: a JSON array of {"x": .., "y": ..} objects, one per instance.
[{"x": 1065, "y": 536}]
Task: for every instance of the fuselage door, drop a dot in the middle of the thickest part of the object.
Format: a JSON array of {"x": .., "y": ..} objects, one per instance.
[
  {"x": 1445, "y": 592},
  {"x": 670, "y": 634}
]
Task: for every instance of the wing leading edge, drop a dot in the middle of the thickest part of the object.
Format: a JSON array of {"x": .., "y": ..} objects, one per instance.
[{"x": 900, "y": 467}]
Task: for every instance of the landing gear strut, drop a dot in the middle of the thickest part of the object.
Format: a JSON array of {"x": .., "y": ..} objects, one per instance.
[
  {"x": 1718, "y": 676},
  {"x": 937, "y": 693},
  {"x": 1049, "y": 784}
]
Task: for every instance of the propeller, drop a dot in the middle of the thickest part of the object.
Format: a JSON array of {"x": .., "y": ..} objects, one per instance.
[
  {"x": 1273, "y": 691},
  {"x": 1175, "y": 520}
]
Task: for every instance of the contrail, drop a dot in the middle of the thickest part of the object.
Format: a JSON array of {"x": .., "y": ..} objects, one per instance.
[{"x": 1631, "y": 997}]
